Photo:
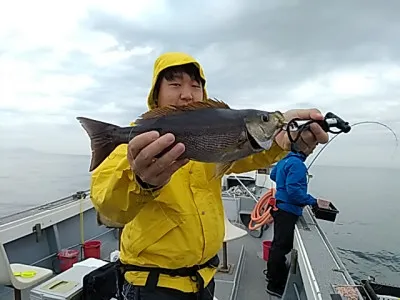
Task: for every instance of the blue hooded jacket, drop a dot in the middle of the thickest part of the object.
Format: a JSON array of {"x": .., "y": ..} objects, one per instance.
[{"x": 290, "y": 175}]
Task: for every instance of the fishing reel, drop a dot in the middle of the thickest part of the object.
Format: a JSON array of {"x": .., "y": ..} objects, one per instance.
[{"x": 330, "y": 121}]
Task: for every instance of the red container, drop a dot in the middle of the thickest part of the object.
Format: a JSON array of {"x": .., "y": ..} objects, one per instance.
[
  {"x": 266, "y": 245},
  {"x": 92, "y": 249},
  {"x": 67, "y": 258}
]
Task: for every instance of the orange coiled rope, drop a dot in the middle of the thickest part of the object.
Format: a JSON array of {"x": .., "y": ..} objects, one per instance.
[{"x": 261, "y": 213}]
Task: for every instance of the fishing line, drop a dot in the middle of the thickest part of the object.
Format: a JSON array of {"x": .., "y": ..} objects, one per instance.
[
  {"x": 330, "y": 121},
  {"x": 353, "y": 125}
]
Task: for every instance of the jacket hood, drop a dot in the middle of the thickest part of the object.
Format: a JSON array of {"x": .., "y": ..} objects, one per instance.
[{"x": 167, "y": 60}]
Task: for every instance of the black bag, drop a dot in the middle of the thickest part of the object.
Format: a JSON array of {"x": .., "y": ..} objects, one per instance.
[{"x": 103, "y": 283}]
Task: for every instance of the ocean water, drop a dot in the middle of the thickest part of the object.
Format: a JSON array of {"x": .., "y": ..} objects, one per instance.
[
  {"x": 29, "y": 178},
  {"x": 365, "y": 234},
  {"x": 366, "y": 231}
]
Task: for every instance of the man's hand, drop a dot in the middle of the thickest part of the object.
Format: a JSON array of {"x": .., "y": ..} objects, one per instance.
[
  {"x": 309, "y": 139},
  {"x": 142, "y": 150},
  {"x": 323, "y": 203}
]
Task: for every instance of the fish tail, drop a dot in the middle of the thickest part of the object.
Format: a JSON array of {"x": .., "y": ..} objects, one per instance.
[{"x": 102, "y": 137}]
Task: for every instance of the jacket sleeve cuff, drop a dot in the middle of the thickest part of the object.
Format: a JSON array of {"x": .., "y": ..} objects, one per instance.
[
  {"x": 313, "y": 201},
  {"x": 146, "y": 186}
]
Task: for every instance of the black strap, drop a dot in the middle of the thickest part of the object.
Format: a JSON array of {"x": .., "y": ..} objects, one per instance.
[{"x": 154, "y": 273}]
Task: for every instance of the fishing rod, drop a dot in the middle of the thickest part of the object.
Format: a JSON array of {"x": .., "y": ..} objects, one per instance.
[
  {"x": 353, "y": 125},
  {"x": 330, "y": 121},
  {"x": 260, "y": 213},
  {"x": 260, "y": 216}
]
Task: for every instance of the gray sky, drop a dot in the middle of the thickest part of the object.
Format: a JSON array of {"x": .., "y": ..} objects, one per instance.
[{"x": 59, "y": 60}]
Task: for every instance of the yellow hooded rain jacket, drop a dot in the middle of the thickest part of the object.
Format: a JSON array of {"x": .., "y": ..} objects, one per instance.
[{"x": 179, "y": 225}]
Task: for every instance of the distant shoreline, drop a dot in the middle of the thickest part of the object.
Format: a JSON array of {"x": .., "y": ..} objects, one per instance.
[{"x": 27, "y": 151}]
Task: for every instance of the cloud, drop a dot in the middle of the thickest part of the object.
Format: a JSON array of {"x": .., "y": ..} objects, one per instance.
[{"x": 95, "y": 58}]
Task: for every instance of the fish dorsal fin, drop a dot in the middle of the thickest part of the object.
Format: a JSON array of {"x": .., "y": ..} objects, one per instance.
[{"x": 173, "y": 109}]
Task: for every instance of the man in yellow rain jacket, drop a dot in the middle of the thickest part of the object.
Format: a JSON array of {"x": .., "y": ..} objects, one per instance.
[{"x": 173, "y": 216}]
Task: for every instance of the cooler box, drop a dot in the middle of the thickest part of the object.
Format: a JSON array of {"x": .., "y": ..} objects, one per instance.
[{"x": 65, "y": 286}]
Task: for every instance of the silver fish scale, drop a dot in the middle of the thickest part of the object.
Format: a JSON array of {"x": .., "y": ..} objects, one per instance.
[{"x": 211, "y": 145}]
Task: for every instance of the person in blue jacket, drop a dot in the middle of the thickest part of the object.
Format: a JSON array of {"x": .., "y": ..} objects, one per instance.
[{"x": 290, "y": 175}]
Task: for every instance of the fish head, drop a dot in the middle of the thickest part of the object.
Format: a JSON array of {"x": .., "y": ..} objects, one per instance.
[{"x": 262, "y": 127}]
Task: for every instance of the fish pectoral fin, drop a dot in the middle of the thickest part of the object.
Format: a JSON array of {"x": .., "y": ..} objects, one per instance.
[
  {"x": 102, "y": 220},
  {"x": 221, "y": 169}
]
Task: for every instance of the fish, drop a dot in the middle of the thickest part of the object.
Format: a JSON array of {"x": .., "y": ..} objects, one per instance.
[
  {"x": 211, "y": 131},
  {"x": 103, "y": 220}
]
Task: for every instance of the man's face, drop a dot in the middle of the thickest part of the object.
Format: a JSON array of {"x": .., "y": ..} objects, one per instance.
[{"x": 181, "y": 90}]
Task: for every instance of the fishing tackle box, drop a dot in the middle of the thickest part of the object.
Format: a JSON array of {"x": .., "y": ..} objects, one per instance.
[
  {"x": 324, "y": 213},
  {"x": 66, "y": 285}
]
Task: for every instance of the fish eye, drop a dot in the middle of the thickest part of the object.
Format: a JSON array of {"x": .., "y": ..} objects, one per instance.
[{"x": 264, "y": 118}]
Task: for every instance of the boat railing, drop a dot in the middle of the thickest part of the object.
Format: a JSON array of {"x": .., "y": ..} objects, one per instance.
[
  {"x": 310, "y": 281},
  {"x": 47, "y": 206},
  {"x": 40, "y": 217}
]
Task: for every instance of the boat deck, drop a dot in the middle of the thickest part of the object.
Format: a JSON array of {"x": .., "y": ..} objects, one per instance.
[
  {"x": 244, "y": 281},
  {"x": 317, "y": 267},
  {"x": 253, "y": 284},
  {"x": 251, "y": 280},
  {"x": 327, "y": 268},
  {"x": 109, "y": 244},
  {"x": 250, "y": 277}
]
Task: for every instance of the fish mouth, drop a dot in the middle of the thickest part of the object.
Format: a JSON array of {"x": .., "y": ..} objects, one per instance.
[
  {"x": 256, "y": 144},
  {"x": 275, "y": 119}
]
